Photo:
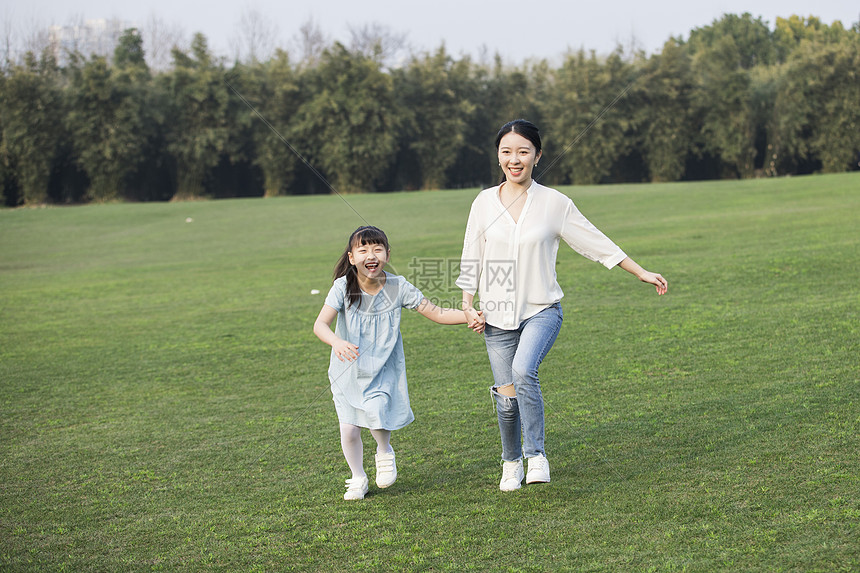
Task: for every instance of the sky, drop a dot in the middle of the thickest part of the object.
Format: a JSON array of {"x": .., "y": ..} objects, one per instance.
[{"x": 517, "y": 30}]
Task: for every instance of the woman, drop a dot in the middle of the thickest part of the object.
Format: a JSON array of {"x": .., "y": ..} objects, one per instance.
[{"x": 509, "y": 257}]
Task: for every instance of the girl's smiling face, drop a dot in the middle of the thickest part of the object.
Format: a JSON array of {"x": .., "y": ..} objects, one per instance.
[
  {"x": 369, "y": 260},
  {"x": 517, "y": 157}
]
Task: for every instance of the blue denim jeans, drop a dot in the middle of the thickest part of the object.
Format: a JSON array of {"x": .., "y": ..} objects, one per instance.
[{"x": 514, "y": 357}]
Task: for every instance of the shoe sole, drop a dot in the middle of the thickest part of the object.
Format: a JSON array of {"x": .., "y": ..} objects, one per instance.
[
  {"x": 345, "y": 498},
  {"x": 383, "y": 486}
]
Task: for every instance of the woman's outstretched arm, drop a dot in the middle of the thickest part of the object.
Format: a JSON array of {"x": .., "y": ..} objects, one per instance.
[{"x": 636, "y": 270}]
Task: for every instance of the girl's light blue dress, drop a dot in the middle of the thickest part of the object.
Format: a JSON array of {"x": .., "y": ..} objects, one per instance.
[{"x": 371, "y": 391}]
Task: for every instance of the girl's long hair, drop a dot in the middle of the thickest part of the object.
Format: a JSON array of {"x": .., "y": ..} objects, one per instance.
[{"x": 366, "y": 235}]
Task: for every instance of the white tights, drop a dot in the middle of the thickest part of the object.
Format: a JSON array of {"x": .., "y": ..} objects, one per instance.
[{"x": 353, "y": 448}]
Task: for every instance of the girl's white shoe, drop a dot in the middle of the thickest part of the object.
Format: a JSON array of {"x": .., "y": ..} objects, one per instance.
[
  {"x": 355, "y": 488},
  {"x": 386, "y": 469}
]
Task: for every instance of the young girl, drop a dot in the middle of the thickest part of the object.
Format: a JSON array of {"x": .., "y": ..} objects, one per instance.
[{"x": 368, "y": 368}]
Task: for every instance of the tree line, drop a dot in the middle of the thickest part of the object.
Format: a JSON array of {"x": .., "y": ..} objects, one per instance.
[{"x": 733, "y": 100}]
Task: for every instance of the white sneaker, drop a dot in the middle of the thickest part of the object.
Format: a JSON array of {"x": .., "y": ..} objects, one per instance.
[
  {"x": 386, "y": 469},
  {"x": 538, "y": 470},
  {"x": 355, "y": 488},
  {"x": 512, "y": 475}
]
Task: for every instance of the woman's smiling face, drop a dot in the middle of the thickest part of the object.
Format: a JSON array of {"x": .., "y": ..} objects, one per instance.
[{"x": 517, "y": 157}]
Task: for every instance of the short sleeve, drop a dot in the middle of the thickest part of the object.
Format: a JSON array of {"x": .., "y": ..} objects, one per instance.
[
  {"x": 410, "y": 295},
  {"x": 337, "y": 294}
]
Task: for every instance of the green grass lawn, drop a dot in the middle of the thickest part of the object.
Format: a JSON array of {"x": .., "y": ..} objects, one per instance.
[{"x": 164, "y": 404}]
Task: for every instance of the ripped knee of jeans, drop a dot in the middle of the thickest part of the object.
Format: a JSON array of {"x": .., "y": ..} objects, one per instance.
[
  {"x": 506, "y": 390},
  {"x": 501, "y": 400}
]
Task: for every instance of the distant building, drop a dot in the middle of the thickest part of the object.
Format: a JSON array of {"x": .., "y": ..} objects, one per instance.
[{"x": 91, "y": 37}]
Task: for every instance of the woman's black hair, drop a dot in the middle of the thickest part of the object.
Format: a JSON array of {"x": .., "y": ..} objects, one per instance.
[
  {"x": 366, "y": 235},
  {"x": 521, "y": 127}
]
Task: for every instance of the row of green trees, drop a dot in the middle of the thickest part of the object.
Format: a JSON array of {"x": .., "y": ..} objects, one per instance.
[{"x": 735, "y": 99}]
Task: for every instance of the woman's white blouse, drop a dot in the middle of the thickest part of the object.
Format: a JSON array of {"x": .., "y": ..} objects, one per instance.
[{"x": 511, "y": 264}]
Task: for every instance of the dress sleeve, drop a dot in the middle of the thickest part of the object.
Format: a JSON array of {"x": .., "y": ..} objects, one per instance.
[
  {"x": 336, "y": 295},
  {"x": 473, "y": 252},
  {"x": 410, "y": 295},
  {"x": 587, "y": 240}
]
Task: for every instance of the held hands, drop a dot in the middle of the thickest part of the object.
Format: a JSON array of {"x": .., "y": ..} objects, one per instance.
[
  {"x": 475, "y": 319},
  {"x": 345, "y": 350}
]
